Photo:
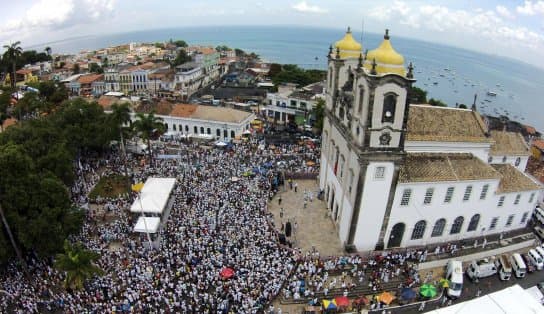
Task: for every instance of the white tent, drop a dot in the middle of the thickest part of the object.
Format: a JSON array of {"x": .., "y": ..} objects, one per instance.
[
  {"x": 221, "y": 144},
  {"x": 154, "y": 196},
  {"x": 152, "y": 224},
  {"x": 512, "y": 300}
]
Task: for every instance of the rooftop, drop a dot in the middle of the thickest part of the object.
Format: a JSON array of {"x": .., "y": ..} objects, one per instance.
[
  {"x": 538, "y": 144},
  {"x": 443, "y": 124},
  {"x": 209, "y": 113},
  {"x": 508, "y": 143},
  {"x": 88, "y": 79},
  {"x": 427, "y": 167},
  {"x": 512, "y": 180}
]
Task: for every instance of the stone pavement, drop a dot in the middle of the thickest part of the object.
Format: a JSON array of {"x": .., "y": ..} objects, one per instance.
[{"x": 314, "y": 227}]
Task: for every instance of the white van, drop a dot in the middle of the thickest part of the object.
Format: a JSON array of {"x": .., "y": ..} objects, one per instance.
[
  {"x": 539, "y": 214},
  {"x": 518, "y": 265},
  {"x": 536, "y": 259},
  {"x": 481, "y": 269},
  {"x": 540, "y": 251},
  {"x": 454, "y": 274},
  {"x": 504, "y": 266}
]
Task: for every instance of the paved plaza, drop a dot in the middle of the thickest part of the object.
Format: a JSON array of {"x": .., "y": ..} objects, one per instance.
[{"x": 314, "y": 227}]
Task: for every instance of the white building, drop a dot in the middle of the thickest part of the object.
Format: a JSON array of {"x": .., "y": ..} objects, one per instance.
[
  {"x": 290, "y": 104},
  {"x": 219, "y": 122},
  {"x": 398, "y": 175}
]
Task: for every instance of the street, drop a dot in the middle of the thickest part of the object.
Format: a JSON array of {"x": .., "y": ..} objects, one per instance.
[{"x": 487, "y": 285}]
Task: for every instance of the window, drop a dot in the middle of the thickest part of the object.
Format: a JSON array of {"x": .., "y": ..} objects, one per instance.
[
  {"x": 389, "y": 103},
  {"x": 449, "y": 194},
  {"x": 428, "y": 196},
  {"x": 209, "y": 131},
  {"x": 419, "y": 230},
  {"x": 302, "y": 105},
  {"x": 501, "y": 201},
  {"x": 174, "y": 127},
  {"x": 438, "y": 228},
  {"x": 485, "y": 188},
  {"x": 494, "y": 222},
  {"x": 516, "y": 201},
  {"x": 180, "y": 127},
  {"x": 405, "y": 197},
  {"x": 473, "y": 224},
  {"x": 380, "y": 173},
  {"x": 201, "y": 130},
  {"x": 524, "y": 218},
  {"x": 225, "y": 134},
  {"x": 518, "y": 161},
  {"x": 457, "y": 224},
  {"x": 187, "y": 128},
  {"x": 232, "y": 134},
  {"x": 195, "y": 129},
  {"x": 504, "y": 159},
  {"x": 509, "y": 220},
  {"x": 531, "y": 198},
  {"x": 490, "y": 159},
  {"x": 361, "y": 98},
  {"x": 293, "y": 103},
  {"x": 468, "y": 191},
  {"x": 218, "y": 132},
  {"x": 166, "y": 126}
]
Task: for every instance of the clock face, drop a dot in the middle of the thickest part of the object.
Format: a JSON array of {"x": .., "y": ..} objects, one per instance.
[{"x": 385, "y": 139}]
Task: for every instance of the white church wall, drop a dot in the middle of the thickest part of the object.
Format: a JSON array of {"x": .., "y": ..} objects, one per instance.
[
  {"x": 511, "y": 160},
  {"x": 480, "y": 150}
]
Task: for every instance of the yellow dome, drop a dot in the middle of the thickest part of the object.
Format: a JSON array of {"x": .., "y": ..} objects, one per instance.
[
  {"x": 348, "y": 46},
  {"x": 387, "y": 59}
]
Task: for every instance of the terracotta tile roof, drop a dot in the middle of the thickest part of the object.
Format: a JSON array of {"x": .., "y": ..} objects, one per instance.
[
  {"x": 106, "y": 101},
  {"x": 508, "y": 143},
  {"x": 220, "y": 114},
  {"x": 536, "y": 169},
  {"x": 530, "y": 130},
  {"x": 538, "y": 144},
  {"x": 183, "y": 110},
  {"x": 207, "y": 50},
  {"x": 442, "y": 124},
  {"x": 512, "y": 180},
  {"x": 163, "y": 108},
  {"x": 428, "y": 167},
  {"x": 88, "y": 79}
]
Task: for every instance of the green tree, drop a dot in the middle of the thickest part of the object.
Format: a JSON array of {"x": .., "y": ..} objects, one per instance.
[
  {"x": 181, "y": 58},
  {"x": 239, "y": 52},
  {"x": 159, "y": 45},
  {"x": 48, "y": 50},
  {"x": 95, "y": 68},
  {"x": 417, "y": 95},
  {"x": 180, "y": 43},
  {"x": 147, "y": 126},
  {"x": 319, "y": 113},
  {"x": 437, "y": 103},
  {"x": 12, "y": 54},
  {"x": 291, "y": 73},
  {"x": 78, "y": 265},
  {"x": 221, "y": 48},
  {"x": 75, "y": 68},
  {"x": 119, "y": 117},
  {"x": 463, "y": 106}
]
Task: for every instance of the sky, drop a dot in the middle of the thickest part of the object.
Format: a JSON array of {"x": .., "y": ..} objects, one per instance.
[{"x": 513, "y": 28}]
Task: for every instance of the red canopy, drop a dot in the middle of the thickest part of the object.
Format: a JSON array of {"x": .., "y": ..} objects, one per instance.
[
  {"x": 342, "y": 301},
  {"x": 226, "y": 273}
]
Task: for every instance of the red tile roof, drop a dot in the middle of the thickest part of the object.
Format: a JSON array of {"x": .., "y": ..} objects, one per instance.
[
  {"x": 88, "y": 79},
  {"x": 539, "y": 144}
]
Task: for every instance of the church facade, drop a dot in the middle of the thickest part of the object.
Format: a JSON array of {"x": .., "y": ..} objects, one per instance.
[{"x": 397, "y": 174}]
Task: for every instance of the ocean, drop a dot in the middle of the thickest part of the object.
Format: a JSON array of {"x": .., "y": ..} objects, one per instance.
[{"x": 451, "y": 74}]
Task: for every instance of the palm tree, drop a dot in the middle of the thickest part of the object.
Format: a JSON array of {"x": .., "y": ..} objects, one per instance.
[
  {"x": 147, "y": 126},
  {"x": 78, "y": 263},
  {"x": 12, "y": 53},
  {"x": 48, "y": 50},
  {"x": 121, "y": 115}
]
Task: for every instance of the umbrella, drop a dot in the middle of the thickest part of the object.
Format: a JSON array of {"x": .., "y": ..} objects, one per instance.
[
  {"x": 407, "y": 294},
  {"x": 342, "y": 301},
  {"x": 427, "y": 290},
  {"x": 221, "y": 144},
  {"x": 226, "y": 273},
  {"x": 329, "y": 304},
  {"x": 234, "y": 179},
  {"x": 444, "y": 283},
  {"x": 361, "y": 300},
  {"x": 386, "y": 297}
]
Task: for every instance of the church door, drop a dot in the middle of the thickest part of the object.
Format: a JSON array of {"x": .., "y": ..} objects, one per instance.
[{"x": 396, "y": 235}]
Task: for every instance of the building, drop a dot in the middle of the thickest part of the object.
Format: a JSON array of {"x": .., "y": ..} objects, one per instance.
[
  {"x": 398, "y": 175},
  {"x": 290, "y": 104},
  {"x": 537, "y": 149},
  {"x": 196, "y": 120}
]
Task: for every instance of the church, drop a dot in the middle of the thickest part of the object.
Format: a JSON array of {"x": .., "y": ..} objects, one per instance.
[{"x": 397, "y": 174}]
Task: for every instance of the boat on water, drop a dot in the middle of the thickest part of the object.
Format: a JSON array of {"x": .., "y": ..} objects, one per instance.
[
  {"x": 435, "y": 83},
  {"x": 492, "y": 94}
]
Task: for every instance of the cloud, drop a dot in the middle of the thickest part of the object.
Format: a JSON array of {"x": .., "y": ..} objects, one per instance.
[
  {"x": 304, "y": 7},
  {"x": 531, "y": 8},
  {"x": 504, "y": 12},
  {"x": 50, "y": 15}
]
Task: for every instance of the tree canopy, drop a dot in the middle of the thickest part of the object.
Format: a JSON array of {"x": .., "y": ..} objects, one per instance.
[
  {"x": 181, "y": 58},
  {"x": 291, "y": 73},
  {"x": 417, "y": 95}
]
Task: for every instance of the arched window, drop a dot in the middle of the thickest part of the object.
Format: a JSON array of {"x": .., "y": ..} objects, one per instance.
[
  {"x": 419, "y": 230},
  {"x": 209, "y": 131},
  {"x": 473, "y": 224},
  {"x": 218, "y": 132},
  {"x": 504, "y": 159},
  {"x": 389, "y": 104},
  {"x": 438, "y": 228},
  {"x": 196, "y": 130},
  {"x": 225, "y": 133},
  {"x": 457, "y": 224},
  {"x": 232, "y": 134},
  {"x": 361, "y": 99},
  {"x": 490, "y": 159},
  {"x": 201, "y": 130}
]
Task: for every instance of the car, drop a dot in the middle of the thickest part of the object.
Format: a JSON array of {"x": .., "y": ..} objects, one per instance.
[
  {"x": 539, "y": 232},
  {"x": 531, "y": 267}
]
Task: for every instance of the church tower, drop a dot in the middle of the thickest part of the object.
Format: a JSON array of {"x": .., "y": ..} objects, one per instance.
[{"x": 363, "y": 138}]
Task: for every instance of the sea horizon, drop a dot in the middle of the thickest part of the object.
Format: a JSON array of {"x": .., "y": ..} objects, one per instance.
[{"x": 459, "y": 73}]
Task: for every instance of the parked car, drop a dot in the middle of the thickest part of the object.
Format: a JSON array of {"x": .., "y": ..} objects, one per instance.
[
  {"x": 539, "y": 232},
  {"x": 530, "y": 266},
  {"x": 481, "y": 269}
]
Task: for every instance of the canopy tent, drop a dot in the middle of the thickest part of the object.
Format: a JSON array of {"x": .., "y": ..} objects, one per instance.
[
  {"x": 512, "y": 300},
  {"x": 152, "y": 224},
  {"x": 221, "y": 144},
  {"x": 153, "y": 196}
]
